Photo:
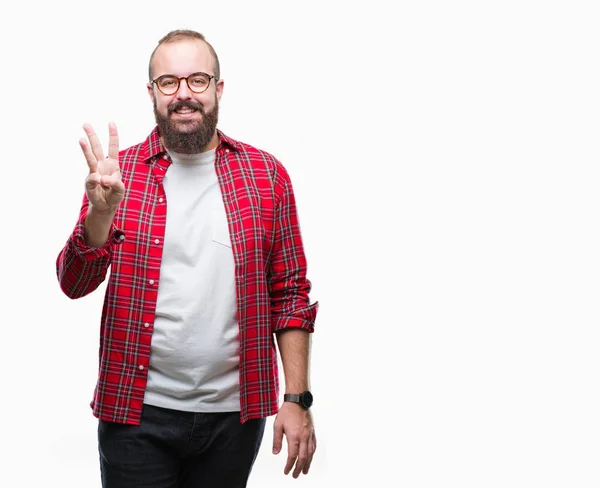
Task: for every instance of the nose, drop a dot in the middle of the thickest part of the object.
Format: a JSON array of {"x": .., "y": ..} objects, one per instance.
[{"x": 184, "y": 92}]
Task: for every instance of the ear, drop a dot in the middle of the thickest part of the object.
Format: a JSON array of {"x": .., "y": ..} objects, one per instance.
[
  {"x": 150, "y": 87},
  {"x": 219, "y": 89}
]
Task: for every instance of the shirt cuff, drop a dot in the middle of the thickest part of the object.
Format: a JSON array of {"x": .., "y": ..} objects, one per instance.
[
  {"x": 115, "y": 236},
  {"x": 300, "y": 319}
]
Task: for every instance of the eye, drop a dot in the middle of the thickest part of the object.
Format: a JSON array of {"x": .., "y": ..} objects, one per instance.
[
  {"x": 167, "y": 82},
  {"x": 199, "y": 80}
]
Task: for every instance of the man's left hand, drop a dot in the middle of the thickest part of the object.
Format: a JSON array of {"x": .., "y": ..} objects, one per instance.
[{"x": 297, "y": 425}]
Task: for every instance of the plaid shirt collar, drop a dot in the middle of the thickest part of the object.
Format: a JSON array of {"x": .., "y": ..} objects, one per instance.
[{"x": 152, "y": 147}]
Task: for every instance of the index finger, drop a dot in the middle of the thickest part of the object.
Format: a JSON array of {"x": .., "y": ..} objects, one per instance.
[{"x": 113, "y": 141}]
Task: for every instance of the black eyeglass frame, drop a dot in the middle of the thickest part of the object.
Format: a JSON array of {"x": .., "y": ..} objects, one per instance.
[{"x": 210, "y": 78}]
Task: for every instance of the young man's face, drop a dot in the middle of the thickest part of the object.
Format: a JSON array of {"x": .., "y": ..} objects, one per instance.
[{"x": 187, "y": 120}]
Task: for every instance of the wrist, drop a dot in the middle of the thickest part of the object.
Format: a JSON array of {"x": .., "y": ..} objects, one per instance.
[
  {"x": 98, "y": 214},
  {"x": 97, "y": 226},
  {"x": 303, "y": 398}
]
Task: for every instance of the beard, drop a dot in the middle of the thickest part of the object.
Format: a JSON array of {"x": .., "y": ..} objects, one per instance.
[{"x": 187, "y": 136}]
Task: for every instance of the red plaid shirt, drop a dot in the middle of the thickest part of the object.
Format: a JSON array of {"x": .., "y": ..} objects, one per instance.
[{"x": 270, "y": 273}]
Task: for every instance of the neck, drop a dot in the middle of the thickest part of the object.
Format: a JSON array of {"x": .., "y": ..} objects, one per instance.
[{"x": 214, "y": 142}]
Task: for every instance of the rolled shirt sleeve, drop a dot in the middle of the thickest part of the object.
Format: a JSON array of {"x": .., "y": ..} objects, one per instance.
[
  {"x": 81, "y": 268},
  {"x": 288, "y": 285}
]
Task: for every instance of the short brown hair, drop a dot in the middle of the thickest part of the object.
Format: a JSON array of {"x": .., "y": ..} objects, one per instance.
[{"x": 177, "y": 35}]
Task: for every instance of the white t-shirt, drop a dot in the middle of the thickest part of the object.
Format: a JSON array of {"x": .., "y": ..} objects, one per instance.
[{"x": 194, "y": 360}]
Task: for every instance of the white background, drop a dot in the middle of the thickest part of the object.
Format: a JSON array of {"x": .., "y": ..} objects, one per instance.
[{"x": 445, "y": 162}]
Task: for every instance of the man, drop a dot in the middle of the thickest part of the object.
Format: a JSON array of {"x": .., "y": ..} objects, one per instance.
[{"x": 207, "y": 269}]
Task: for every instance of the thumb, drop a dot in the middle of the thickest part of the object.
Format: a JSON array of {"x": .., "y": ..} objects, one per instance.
[
  {"x": 93, "y": 180},
  {"x": 112, "y": 181},
  {"x": 277, "y": 437}
]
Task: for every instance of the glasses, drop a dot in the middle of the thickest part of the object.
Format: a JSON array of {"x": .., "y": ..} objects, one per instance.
[{"x": 196, "y": 82}]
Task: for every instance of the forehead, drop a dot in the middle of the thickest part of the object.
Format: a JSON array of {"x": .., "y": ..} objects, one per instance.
[{"x": 182, "y": 57}]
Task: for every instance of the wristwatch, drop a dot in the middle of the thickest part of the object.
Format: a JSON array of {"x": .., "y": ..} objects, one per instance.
[{"x": 304, "y": 399}]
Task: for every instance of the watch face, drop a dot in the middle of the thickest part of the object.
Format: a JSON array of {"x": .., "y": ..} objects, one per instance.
[{"x": 307, "y": 399}]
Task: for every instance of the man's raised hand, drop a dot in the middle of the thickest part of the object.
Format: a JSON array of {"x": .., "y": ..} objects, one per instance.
[{"x": 104, "y": 187}]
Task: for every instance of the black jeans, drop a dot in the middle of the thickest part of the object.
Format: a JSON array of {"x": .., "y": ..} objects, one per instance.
[{"x": 172, "y": 449}]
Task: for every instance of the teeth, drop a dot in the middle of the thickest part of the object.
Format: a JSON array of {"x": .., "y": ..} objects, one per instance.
[{"x": 185, "y": 111}]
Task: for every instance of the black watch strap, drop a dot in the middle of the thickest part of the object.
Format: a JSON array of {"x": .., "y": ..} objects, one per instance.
[{"x": 304, "y": 399}]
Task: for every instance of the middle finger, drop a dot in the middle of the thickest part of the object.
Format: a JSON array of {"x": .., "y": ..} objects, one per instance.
[
  {"x": 302, "y": 458},
  {"x": 94, "y": 142},
  {"x": 292, "y": 455},
  {"x": 312, "y": 447}
]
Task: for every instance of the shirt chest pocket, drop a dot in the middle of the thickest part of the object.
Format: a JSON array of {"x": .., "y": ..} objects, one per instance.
[{"x": 220, "y": 235}]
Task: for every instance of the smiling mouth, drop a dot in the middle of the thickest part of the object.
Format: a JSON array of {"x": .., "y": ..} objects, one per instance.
[{"x": 185, "y": 111}]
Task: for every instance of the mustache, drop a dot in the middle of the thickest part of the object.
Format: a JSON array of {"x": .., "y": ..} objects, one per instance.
[{"x": 189, "y": 104}]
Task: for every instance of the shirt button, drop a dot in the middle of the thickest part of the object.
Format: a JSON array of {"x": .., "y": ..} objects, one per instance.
[
  {"x": 226, "y": 150},
  {"x": 146, "y": 325},
  {"x": 151, "y": 282},
  {"x": 141, "y": 367},
  {"x": 160, "y": 200},
  {"x": 156, "y": 241}
]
